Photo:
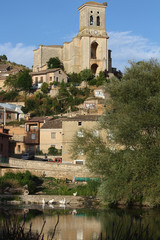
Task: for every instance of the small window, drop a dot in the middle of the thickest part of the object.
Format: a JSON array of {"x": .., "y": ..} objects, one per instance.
[
  {"x": 53, "y": 135},
  {"x": 79, "y": 123},
  {"x": 98, "y": 21},
  {"x": 0, "y": 115},
  {"x": 33, "y": 136},
  {"x": 97, "y": 12},
  {"x": 19, "y": 148},
  {"x": 36, "y": 80},
  {"x": 56, "y": 79},
  {"x": 41, "y": 80},
  {"x": 91, "y": 20},
  {"x": 8, "y": 115},
  {"x": 80, "y": 162},
  {"x": 50, "y": 78}
]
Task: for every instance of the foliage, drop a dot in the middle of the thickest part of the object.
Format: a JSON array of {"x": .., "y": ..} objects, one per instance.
[
  {"x": 54, "y": 63},
  {"x": 74, "y": 78},
  {"x": 86, "y": 75},
  {"x": 100, "y": 79},
  {"x": 45, "y": 88},
  {"x": 22, "y": 179},
  {"x": 128, "y": 157},
  {"x": 60, "y": 187},
  {"x": 13, "y": 229},
  {"x": 21, "y": 80},
  {"x": 16, "y": 123},
  {"x": 24, "y": 80},
  {"x": 3, "y": 57},
  {"x": 54, "y": 151},
  {"x": 10, "y": 95}
]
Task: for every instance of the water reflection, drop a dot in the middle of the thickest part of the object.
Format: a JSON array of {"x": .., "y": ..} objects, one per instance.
[{"x": 82, "y": 224}]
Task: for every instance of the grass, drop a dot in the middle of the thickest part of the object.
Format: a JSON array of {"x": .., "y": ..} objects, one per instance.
[{"x": 53, "y": 186}]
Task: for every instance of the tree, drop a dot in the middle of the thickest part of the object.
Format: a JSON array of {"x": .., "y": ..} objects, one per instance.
[
  {"x": 54, "y": 63},
  {"x": 128, "y": 157},
  {"x": 86, "y": 75},
  {"x": 11, "y": 82},
  {"x": 24, "y": 80},
  {"x": 44, "y": 88},
  {"x": 3, "y": 57}
]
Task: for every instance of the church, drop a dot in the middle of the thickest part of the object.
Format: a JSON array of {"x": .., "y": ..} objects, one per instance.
[{"x": 89, "y": 49}]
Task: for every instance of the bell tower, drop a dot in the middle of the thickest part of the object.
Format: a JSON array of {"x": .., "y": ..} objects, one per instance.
[{"x": 94, "y": 38}]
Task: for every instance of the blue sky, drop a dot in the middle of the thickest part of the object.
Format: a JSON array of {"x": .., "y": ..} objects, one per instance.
[{"x": 133, "y": 28}]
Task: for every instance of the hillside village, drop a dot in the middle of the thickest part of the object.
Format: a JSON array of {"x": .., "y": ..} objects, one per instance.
[{"x": 42, "y": 109}]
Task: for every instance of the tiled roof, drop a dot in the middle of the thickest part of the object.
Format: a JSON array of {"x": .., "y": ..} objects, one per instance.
[
  {"x": 94, "y": 3},
  {"x": 83, "y": 118},
  {"x": 46, "y": 71},
  {"x": 53, "y": 124},
  {"x": 39, "y": 119}
]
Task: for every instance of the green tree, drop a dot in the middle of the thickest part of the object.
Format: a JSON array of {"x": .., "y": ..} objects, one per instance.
[
  {"x": 3, "y": 57},
  {"x": 24, "y": 80},
  {"x": 45, "y": 88},
  {"x": 100, "y": 79},
  {"x": 75, "y": 78},
  {"x": 11, "y": 82},
  {"x": 86, "y": 75},
  {"x": 54, "y": 63},
  {"x": 129, "y": 157}
]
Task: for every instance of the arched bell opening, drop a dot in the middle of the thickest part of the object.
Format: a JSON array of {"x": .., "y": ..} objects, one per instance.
[
  {"x": 94, "y": 68},
  {"x": 94, "y": 46}
]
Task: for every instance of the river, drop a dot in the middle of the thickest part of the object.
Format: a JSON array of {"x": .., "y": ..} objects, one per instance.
[{"x": 81, "y": 224}]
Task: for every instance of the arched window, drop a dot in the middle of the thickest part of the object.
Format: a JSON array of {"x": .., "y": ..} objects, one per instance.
[
  {"x": 91, "y": 20},
  {"x": 98, "y": 21},
  {"x": 94, "y": 46},
  {"x": 94, "y": 68}
]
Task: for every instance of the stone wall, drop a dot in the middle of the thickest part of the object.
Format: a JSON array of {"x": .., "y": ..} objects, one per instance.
[{"x": 40, "y": 168}]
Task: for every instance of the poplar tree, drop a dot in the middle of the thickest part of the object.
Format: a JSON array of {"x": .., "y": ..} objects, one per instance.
[{"x": 128, "y": 157}]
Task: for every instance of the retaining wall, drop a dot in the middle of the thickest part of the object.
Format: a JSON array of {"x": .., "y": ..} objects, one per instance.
[{"x": 40, "y": 168}]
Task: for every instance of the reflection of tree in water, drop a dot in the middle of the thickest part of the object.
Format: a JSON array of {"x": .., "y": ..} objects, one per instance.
[{"x": 135, "y": 224}]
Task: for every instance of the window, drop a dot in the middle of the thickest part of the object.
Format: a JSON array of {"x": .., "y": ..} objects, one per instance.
[
  {"x": 36, "y": 80},
  {"x": 91, "y": 20},
  {"x": 56, "y": 79},
  {"x": 8, "y": 115},
  {"x": 0, "y": 115},
  {"x": 53, "y": 135},
  {"x": 1, "y": 148},
  {"x": 80, "y": 162},
  {"x": 19, "y": 148},
  {"x": 98, "y": 21},
  {"x": 33, "y": 136},
  {"x": 50, "y": 78},
  {"x": 53, "y": 146},
  {"x": 94, "y": 46},
  {"x": 79, "y": 123},
  {"x": 41, "y": 80}
]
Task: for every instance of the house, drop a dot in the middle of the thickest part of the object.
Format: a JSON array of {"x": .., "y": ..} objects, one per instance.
[
  {"x": 10, "y": 112},
  {"x": 4, "y": 145},
  {"x": 72, "y": 126},
  {"x": 51, "y": 135},
  {"x": 17, "y": 145},
  {"x": 99, "y": 92},
  {"x": 32, "y": 132},
  {"x": 49, "y": 76}
]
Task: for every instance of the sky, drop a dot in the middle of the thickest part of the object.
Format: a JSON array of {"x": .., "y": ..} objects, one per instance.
[{"x": 132, "y": 26}]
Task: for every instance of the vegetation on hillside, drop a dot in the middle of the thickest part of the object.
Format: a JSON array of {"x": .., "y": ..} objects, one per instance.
[{"x": 129, "y": 162}]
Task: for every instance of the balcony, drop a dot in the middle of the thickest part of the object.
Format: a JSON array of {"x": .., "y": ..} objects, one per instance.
[{"x": 32, "y": 137}]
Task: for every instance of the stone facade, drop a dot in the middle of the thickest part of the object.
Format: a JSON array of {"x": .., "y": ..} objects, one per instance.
[
  {"x": 49, "y": 76},
  {"x": 71, "y": 126},
  {"x": 51, "y": 135},
  {"x": 89, "y": 49}
]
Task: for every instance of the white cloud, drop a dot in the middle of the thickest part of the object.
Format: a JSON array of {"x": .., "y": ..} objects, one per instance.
[
  {"x": 19, "y": 53},
  {"x": 125, "y": 46}
]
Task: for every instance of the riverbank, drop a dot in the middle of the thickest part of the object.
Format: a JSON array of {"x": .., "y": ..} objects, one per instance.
[{"x": 52, "y": 200}]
